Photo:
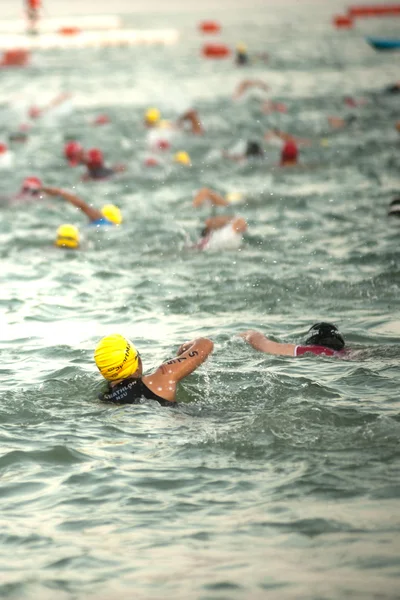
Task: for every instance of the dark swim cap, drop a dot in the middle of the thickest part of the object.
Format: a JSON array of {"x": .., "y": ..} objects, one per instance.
[
  {"x": 254, "y": 149},
  {"x": 325, "y": 334},
  {"x": 394, "y": 208}
]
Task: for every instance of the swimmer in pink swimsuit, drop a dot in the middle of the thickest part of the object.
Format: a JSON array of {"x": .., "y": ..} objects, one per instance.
[{"x": 322, "y": 339}]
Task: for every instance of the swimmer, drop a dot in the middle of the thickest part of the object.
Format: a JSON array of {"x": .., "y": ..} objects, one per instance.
[
  {"x": 394, "y": 208},
  {"x": 269, "y": 106},
  {"x": 341, "y": 123},
  {"x": 121, "y": 365},
  {"x": 243, "y": 58},
  {"x": 31, "y": 189},
  {"x": 222, "y": 233},
  {"x": 67, "y": 236},
  {"x": 108, "y": 215},
  {"x": 182, "y": 158},
  {"x": 152, "y": 120},
  {"x": 289, "y": 155},
  {"x": 397, "y": 126},
  {"x": 279, "y": 136},
  {"x": 74, "y": 153},
  {"x": 32, "y": 12},
  {"x": 322, "y": 339},
  {"x": 253, "y": 149},
  {"x": 247, "y": 84},
  {"x": 6, "y": 157},
  {"x": 209, "y": 196},
  {"x": 35, "y": 112},
  {"x": 96, "y": 169}
]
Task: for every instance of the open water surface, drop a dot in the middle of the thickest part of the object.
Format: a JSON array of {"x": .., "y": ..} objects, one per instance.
[{"x": 276, "y": 477}]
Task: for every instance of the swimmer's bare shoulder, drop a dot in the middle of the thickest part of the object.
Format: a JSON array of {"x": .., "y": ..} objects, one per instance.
[{"x": 189, "y": 356}]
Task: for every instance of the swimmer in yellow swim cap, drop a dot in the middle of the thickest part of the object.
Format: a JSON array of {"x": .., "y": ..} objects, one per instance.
[
  {"x": 183, "y": 158},
  {"x": 189, "y": 121},
  {"x": 108, "y": 215},
  {"x": 67, "y": 237},
  {"x": 152, "y": 117},
  {"x": 121, "y": 365}
]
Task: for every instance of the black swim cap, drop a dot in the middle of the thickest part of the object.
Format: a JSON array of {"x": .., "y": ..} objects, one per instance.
[
  {"x": 325, "y": 334},
  {"x": 394, "y": 208},
  {"x": 254, "y": 149}
]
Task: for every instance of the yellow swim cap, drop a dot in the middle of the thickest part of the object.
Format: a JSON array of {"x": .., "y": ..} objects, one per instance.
[
  {"x": 183, "y": 158},
  {"x": 152, "y": 115},
  {"x": 112, "y": 213},
  {"x": 242, "y": 48},
  {"x": 116, "y": 357},
  {"x": 67, "y": 236},
  {"x": 234, "y": 197}
]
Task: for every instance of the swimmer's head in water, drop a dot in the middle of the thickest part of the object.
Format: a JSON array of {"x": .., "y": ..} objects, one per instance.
[
  {"x": 67, "y": 237},
  {"x": 94, "y": 158},
  {"x": 3, "y": 148},
  {"x": 241, "y": 48},
  {"x": 116, "y": 357},
  {"x": 394, "y": 208},
  {"x": 112, "y": 213},
  {"x": 152, "y": 116},
  {"x": 73, "y": 152},
  {"x": 325, "y": 334},
  {"x": 289, "y": 153},
  {"x": 182, "y": 158},
  {"x": 31, "y": 186},
  {"x": 254, "y": 149}
]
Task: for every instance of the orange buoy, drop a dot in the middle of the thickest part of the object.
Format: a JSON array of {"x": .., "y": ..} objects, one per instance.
[
  {"x": 15, "y": 58},
  {"x": 374, "y": 10},
  {"x": 215, "y": 51},
  {"x": 343, "y": 22},
  {"x": 69, "y": 30},
  {"x": 209, "y": 27}
]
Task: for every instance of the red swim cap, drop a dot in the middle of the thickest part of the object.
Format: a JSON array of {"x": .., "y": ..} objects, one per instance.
[
  {"x": 289, "y": 151},
  {"x": 94, "y": 158},
  {"x": 31, "y": 184},
  {"x": 102, "y": 120},
  {"x": 3, "y": 148},
  {"x": 163, "y": 145},
  {"x": 151, "y": 162},
  {"x": 73, "y": 152}
]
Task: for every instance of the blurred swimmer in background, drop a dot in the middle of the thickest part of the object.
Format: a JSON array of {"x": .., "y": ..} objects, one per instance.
[
  {"x": 108, "y": 215},
  {"x": 189, "y": 121},
  {"x": 96, "y": 169}
]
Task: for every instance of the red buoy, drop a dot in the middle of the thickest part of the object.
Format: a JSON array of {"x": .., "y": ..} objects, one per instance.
[
  {"x": 15, "y": 58},
  {"x": 209, "y": 27},
  {"x": 374, "y": 10},
  {"x": 215, "y": 51},
  {"x": 343, "y": 22}
]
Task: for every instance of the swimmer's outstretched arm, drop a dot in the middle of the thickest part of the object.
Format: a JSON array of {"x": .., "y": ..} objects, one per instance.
[
  {"x": 207, "y": 194},
  {"x": 193, "y": 118},
  {"x": 247, "y": 84},
  {"x": 189, "y": 356},
  {"x": 238, "y": 223},
  {"x": 92, "y": 213},
  {"x": 263, "y": 344},
  {"x": 286, "y": 137}
]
